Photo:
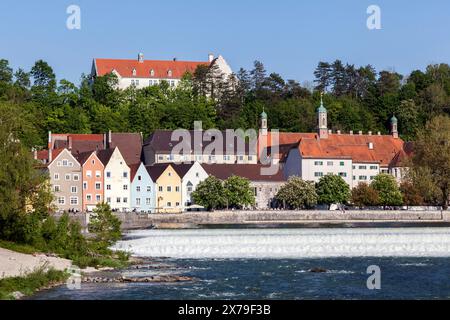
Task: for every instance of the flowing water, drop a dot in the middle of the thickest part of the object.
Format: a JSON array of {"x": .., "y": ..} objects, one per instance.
[{"x": 276, "y": 264}]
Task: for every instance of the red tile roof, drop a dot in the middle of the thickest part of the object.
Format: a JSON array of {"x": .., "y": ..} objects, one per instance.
[
  {"x": 286, "y": 141},
  {"x": 160, "y": 67},
  {"x": 356, "y": 147},
  {"x": 130, "y": 146}
]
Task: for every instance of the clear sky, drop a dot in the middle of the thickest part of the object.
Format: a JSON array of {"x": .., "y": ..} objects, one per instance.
[{"x": 288, "y": 36}]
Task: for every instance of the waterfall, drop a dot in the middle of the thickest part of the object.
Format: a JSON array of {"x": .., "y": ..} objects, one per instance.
[{"x": 289, "y": 243}]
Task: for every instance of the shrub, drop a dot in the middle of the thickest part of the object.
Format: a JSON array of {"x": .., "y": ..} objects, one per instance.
[{"x": 298, "y": 194}]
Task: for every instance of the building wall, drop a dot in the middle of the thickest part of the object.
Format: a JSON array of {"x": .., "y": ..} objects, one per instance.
[
  {"x": 194, "y": 176},
  {"x": 140, "y": 83},
  {"x": 314, "y": 169},
  {"x": 292, "y": 166},
  {"x": 168, "y": 192},
  {"x": 93, "y": 193},
  {"x": 364, "y": 172},
  {"x": 219, "y": 159},
  {"x": 265, "y": 193},
  {"x": 65, "y": 179},
  {"x": 117, "y": 182},
  {"x": 142, "y": 198}
]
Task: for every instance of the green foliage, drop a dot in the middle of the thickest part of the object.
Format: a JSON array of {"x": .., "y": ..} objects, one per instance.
[
  {"x": 30, "y": 283},
  {"x": 332, "y": 189},
  {"x": 298, "y": 194},
  {"x": 238, "y": 192},
  {"x": 388, "y": 191},
  {"x": 411, "y": 194},
  {"x": 105, "y": 226},
  {"x": 210, "y": 193},
  {"x": 364, "y": 195}
]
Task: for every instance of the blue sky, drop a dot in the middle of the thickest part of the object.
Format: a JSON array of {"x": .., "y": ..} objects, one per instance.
[{"x": 288, "y": 36}]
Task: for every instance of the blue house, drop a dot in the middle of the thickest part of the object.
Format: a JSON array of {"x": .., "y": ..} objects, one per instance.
[{"x": 143, "y": 193}]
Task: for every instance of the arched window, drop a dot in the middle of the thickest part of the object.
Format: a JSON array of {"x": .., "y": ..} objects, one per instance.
[{"x": 189, "y": 186}]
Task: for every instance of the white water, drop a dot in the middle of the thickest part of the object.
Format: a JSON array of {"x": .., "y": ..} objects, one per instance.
[{"x": 289, "y": 243}]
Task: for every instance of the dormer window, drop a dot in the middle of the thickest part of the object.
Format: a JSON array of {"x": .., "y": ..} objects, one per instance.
[
  {"x": 169, "y": 73},
  {"x": 134, "y": 72},
  {"x": 152, "y": 73}
]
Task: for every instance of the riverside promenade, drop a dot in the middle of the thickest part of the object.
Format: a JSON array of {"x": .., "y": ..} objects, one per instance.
[{"x": 278, "y": 218}]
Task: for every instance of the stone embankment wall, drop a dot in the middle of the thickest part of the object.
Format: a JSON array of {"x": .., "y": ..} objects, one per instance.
[{"x": 192, "y": 219}]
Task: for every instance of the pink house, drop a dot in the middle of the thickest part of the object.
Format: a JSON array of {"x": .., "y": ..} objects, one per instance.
[{"x": 92, "y": 179}]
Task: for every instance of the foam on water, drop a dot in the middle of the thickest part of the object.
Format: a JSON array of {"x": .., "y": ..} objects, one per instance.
[{"x": 289, "y": 243}]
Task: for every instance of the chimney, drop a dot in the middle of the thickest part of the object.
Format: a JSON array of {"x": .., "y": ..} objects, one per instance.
[
  {"x": 49, "y": 147},
  {"x": 104, "y": 140},
  {"x": 370, "y": 145},
  {"x": 339, "y": 132},
  {"x": 370, "y": 133},
  {"x": 69, "y": 138},
  {"x": 34, "y": 153},
  {"x": 109, "y": 139},
  {"x": 210, "y": 57},
  {"x": 351, "y": 132},
  {"x": 141, "y": 57},
  {"x": 360, "y": 133},
  {"x": 379, "y": 133}
]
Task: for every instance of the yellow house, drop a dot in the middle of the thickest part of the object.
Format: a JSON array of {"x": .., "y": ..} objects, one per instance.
[{"x": 168, "y": 188}]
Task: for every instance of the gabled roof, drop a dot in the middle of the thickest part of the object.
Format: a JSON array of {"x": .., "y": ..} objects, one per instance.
[
  {"x": 130, "y": 145},
  {"x": 82, "y": 157},
  {"x": 105, "y": 155},
  {"x": 57, "y": 152},
  {"x": 156, "y": 170},
  {"x": 161, "y": 142},
  {"x": 251, "y": 172},
  {"x": 80, "y": 142},
  {"x": 125, "y": 67},
  {"x": 286, "y": 141},
  {"x": 133, "y": 170},
  {"x": 182, "y": 168},
  {"x": 355, "y": 147}
]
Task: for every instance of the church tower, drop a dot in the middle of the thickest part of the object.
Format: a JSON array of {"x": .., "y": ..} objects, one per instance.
[
  {"x": 263, "y": 123},
  {"x": 394, "y": 127},
  {"x": 322, "y": 122}
]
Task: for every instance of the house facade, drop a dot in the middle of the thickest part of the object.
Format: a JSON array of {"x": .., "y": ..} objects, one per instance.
[
  {"x": 65, "y": 179},
  {"x": 92, "y": 179},
  {"x": 143, "y": 193},
  {"x": 191, "y": 175},
  {"x": 168, "y": 188},
  {"x": 116, "y": 179}
]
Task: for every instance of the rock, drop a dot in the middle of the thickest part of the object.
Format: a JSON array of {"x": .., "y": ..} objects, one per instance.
[
  {"x": 17, "y": 295},
  {"x": 318, "y": 270}
]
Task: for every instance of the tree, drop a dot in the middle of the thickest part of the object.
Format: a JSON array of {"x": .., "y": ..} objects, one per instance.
[
  {"x": 238, "y": 192},
  {"x": 388, "y": 191},
  {"x": 6, "y": 73},
  {"x": 332, "y": 189},
  {"x": 364, "y": 195},
  {"x": 411, "y": 194},
  {"x": 323, "y": 76},
  {"x": 210, "y": 193},
  {"x": 105, "y": 226},
  {"x": 432, "y": 152},
  {"x": 298, "y": 194}
]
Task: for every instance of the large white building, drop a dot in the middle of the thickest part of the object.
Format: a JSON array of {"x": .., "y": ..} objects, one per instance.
[
  {"x": 143, "y": 73},
  {"x": 356, "y": 157}
]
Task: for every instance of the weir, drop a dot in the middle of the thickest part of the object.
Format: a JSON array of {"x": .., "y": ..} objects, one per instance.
[{"x": 288, "y": 243}]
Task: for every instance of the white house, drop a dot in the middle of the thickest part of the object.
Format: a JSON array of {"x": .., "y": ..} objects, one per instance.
[
  {"x": 189, "y": 182},
  {"x": 116, "y": 179}
]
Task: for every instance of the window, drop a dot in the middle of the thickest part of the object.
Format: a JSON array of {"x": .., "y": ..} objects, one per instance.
[
  {"x": 354, "y": 167},
  {"x": 61, "y": 200},
  {"x": 73, "y": 189},
  {"x": 189, "y": 186},
  {"x": 241, "y": 158},
  {"x": 226, "y": 158},
  {"x": 64, "y": 163},
  {"x": 76, "y": 177},
  {"x": 177, "y": 189},
  {"x": 108, "y": 200},
  {"x": 177, "y": 204},
  {"x": 362, "y": 167},
  {"x": 84, "y": 185},
  {"x": 138, "y": 201},
  {"x": 67, "y": 177},
  {"x": 318, "y": 163},
  {"x": 318, "y": 174},
  {"x": 373, "y": 167},
  {"x": 125, "y": 200},
  {"x": 362, "y": 177},
  {"x": 160, "y": 188},
  {"x": 329, "y": 163},
  {"x": 98, "y": 174},
  {"x": 160, "y": 157},
  {"x": 58, "y": 163},
  {"x": 137, "y": 82},
  {"x": 197, "y": 174},
  {"x": 343, "y": 174},
  {"x": 147, "y": 201},
  {"x": 56, "y": 176},
  {"x": 56, "y": 188},
  {"x": 125, "y": 174},
  {"x": 342, "y": 163},
  {"x": 89, "y": 173},
  {"x": 108, "y": 187},
  {"x": 138, "y": 189},
  {"x": 139, "y": 178},
  {"x": 250, "y": 158},
  {"x": 149, "y": 189},
  {"x": 118, "y": 199},
  {"x": 88, "y": 197},
  {"x": 372, "y": 177},
  {"x": 169, "y": 204},
  {"x": 354, "y": 177},
  {"x": 98, "y": 198},
  {"x": 125, "y": 187},
  {"x": 74, "y": 201},
  {"x": 93, "y": 161},
  {"x": 70, "y": 164},
  {"x": 169, "y": 189},
  {"x": 108, "y": 174},
  {"x": 98, "y": 186}
]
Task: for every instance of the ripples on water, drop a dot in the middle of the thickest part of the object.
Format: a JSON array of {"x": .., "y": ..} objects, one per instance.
[{"x": 275, "y": 264}]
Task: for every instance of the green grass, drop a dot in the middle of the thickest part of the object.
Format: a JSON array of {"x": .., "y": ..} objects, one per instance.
[
  {"x": 17, "y": 247},
  {"x": 30, "y": 283}
]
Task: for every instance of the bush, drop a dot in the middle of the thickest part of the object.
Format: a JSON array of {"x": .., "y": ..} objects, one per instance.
[
  {"x": 364, "y": 195},
  {"x": 298, "y": 194},
  {"x": 332, "y": 189},
  {"x": 388, "y": 190}
]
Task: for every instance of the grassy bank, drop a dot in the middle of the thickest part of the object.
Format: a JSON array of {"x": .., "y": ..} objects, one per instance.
[{"x": 30, "y": 283}]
